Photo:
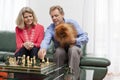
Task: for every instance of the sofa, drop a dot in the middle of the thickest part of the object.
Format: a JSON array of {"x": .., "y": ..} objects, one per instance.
[{"x": 98, "y": 65}]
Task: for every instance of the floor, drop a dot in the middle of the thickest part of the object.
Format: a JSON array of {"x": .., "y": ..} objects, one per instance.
[
  {"x": 109, "y": 76},
  {"x": 112, "y": 77}
]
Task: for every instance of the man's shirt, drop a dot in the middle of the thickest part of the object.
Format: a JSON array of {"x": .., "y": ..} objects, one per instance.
[{"x": 81, "y": 39}]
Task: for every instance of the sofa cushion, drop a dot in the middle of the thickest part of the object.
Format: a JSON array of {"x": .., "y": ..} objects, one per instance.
[{"x": 7, "y": 41}]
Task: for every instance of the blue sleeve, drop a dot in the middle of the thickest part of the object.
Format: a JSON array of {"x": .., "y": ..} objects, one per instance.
[
  {"x": 82, "y": 37},
  {"x": 47, "y": 38}
]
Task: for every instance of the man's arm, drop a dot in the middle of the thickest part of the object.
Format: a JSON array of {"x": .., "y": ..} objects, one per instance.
[
  {"x": 82, "y": 37},
  {"x": 45, "y": 43}
]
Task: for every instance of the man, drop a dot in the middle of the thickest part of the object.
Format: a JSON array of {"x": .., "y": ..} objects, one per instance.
[{"x": 72, "y": 55}]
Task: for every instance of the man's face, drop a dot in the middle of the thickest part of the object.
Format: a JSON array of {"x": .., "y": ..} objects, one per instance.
[{"x": 56, "y": 17}]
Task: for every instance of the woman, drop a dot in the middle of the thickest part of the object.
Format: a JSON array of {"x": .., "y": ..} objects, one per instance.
[{"x": 29, "y": 33}]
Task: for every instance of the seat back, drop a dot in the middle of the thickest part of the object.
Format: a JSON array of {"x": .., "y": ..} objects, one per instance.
[{"x": 7, "y": 41}]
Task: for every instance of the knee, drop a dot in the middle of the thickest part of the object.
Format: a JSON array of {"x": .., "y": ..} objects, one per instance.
[
  {"x": 74, "y": 51},
  {"x": 73, "y": 48},
  {"x": 59, "y": 52}
]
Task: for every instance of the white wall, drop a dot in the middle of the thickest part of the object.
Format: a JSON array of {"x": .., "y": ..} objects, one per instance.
[{"x": 72, "y": 9}]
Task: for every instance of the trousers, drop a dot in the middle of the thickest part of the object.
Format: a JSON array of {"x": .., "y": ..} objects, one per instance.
[
  {"x": 71, "y": 57},
  {"x": 24, "y": 51}
]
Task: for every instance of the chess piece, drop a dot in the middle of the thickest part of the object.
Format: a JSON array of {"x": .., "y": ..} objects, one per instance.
[
  {"x": 33, "y": 64},
  {"x": 7, "y": 61},
  {"x": 23, "y": 60},
  {"x": 11, "y": 61},
  {"x": 14, "y": 60},
  {"x": 34, "y": 60},
  {"x": 31, "y": 61},
  {"x": 19, "y": 61},
  {"x": 43, "y": 60},
  {"x": 23, "y": 56},
  {"x": 47, "y": 61},
  {"x": 28, "y": 61}
]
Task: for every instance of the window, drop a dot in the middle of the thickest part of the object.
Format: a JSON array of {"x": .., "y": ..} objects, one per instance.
[{"x": 8, "y": 13}]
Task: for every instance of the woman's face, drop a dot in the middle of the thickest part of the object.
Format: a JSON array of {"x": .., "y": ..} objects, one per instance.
[{"x": 28, "y": 18}]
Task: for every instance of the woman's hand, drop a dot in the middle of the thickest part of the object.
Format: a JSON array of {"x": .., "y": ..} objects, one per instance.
[{"x": 28, "y": 45}]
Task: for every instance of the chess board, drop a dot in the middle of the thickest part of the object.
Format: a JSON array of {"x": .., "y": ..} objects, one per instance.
[
  {"x": 27, "y": 65},
  {"x": 43, "y": 68}
]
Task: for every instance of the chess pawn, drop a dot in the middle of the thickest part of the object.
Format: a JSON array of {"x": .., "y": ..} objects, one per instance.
[
  {"x": 34, "y": 60},
  {"x": 31, "y": 61},
  {"x": 28, "y": 61},
  {"x": 23, "y": 57},
  {"x": 33, "y": 64},
  {"x": 47, "y": 61},
  {"x": 43, "y": 60},
  {"x": 23, "y": 60}
]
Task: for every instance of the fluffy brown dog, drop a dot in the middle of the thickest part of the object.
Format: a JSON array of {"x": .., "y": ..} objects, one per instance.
[{"x": 64, "y": 33}]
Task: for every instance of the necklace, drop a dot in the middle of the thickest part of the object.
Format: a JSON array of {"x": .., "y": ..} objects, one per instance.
[{"x": 29, "y": 34}]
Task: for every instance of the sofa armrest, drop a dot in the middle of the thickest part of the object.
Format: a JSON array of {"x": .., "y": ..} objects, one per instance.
[
  {"x": 98, "y": 65},
  {"x": 4, "y": 54},
  {"x": 95, "y": 62}
]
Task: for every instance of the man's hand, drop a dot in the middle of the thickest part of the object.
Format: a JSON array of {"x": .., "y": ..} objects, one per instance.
[
  {"x": 41, "y": 53},
  {"x": 72, "y": 40}
]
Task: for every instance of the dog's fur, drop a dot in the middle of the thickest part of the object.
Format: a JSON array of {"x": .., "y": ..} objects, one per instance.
[{"x": 64, "y": 33}]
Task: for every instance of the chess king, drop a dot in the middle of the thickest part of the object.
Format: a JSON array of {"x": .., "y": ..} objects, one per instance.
[{"x": 64, "y": 33}]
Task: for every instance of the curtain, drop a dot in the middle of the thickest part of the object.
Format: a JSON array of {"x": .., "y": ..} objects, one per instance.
[
  {"x": 101, "y": 19},
  {"x": 8, "y": 13}
]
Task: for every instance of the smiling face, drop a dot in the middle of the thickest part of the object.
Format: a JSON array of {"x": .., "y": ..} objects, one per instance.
[
  {"x": 28, "y": 18},
  {"x": 57, "y": 17}
]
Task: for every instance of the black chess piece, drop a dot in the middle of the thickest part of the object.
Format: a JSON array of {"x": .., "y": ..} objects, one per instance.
[
  {"x": 43, "y": 60},
  {"x": 7, "y": 61},
  {"x": 33, "y": 63},
  {"x": 19, "y": 61}
]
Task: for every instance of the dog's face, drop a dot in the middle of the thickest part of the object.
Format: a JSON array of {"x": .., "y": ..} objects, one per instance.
[{"x": 64, "y": 33}]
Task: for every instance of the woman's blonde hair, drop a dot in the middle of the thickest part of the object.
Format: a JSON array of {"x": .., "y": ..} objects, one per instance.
[{"x": 20, "y": 18}]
